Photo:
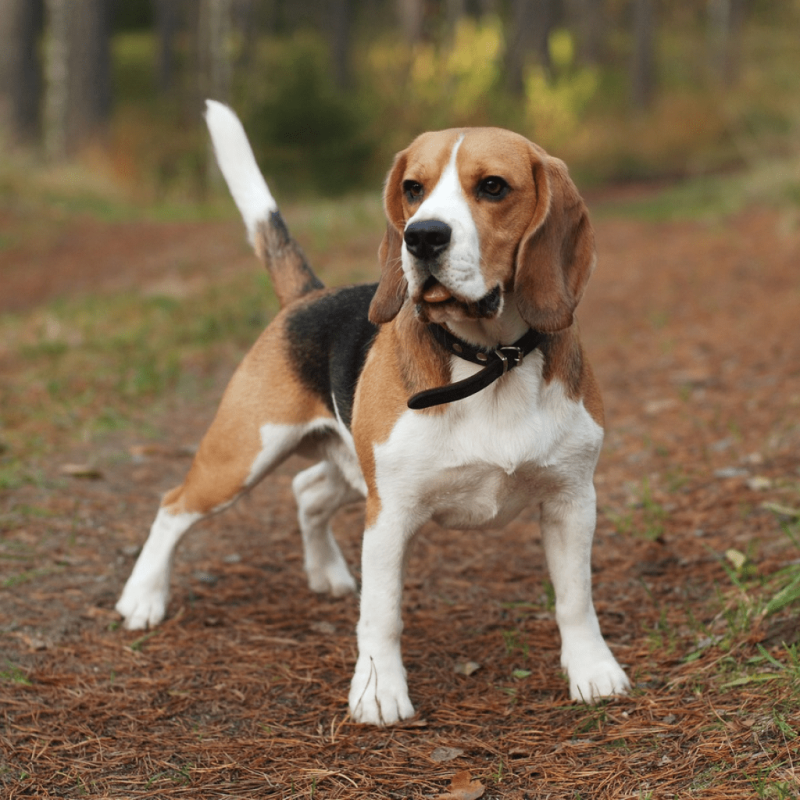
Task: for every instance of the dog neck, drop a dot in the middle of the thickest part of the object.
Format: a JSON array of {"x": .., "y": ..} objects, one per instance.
[
  {"x": 486, "y": 346},
  {"x": 503, "y": 329}
]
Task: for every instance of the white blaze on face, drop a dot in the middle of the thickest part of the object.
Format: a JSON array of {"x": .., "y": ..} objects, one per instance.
[{"x": 460, "y": 268}]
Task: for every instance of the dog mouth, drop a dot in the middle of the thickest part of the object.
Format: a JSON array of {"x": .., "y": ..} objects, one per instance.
[
  {"x": 435, "y": 292},
  {"x": 435, "y": 301}
]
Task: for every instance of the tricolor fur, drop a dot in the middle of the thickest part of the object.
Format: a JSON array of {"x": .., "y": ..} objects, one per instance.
[{"x": 487, "y": 235}]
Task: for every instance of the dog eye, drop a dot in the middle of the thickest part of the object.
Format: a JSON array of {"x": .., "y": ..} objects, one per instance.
[
  {"x": 414, "y": 190},
  {"x": 493, "y": 188}
]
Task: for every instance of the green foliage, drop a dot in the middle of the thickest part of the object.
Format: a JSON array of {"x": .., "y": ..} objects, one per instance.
[
  {"x": 513, "y": 642},
  {"x": 555, "y": 104},
  {"x": 133, "y": 15},
  {"x": 435, "y": 84},
  {"x": 309, "y": 134},
  {"x": 645, "y": 516},
  {"x": 785, "y": 589},
  {"x": 314, "y": 137},
  {"x": 90, "y": 365},
  {"x": 13, "y": 674}
]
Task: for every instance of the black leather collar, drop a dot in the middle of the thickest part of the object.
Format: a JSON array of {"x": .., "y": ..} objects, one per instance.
[{"x": 495, "y": 364}]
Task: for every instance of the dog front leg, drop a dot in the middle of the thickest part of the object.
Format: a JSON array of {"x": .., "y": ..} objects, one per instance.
[
  {"x": 379, "y": 692},
  {"x": 567, "y": 530}
]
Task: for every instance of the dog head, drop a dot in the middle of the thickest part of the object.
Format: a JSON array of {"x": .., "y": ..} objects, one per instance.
[{"x": 476, "y": 216}]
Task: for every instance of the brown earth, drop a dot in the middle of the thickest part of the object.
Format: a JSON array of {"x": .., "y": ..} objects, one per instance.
[{"x": 692, "y": 329}]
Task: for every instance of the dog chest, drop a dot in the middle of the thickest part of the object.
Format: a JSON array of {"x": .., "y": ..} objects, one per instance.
[{"x": 481, "y": 462}]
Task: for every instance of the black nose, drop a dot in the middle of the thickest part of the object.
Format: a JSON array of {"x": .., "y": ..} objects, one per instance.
[{"x": 427, "y": 238}]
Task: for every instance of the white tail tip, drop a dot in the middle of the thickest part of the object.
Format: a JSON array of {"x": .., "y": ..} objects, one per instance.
[{"x": 238, "y": 165}]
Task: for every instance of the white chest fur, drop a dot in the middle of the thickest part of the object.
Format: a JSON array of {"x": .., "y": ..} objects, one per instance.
[{"x": 487, "y": 456}]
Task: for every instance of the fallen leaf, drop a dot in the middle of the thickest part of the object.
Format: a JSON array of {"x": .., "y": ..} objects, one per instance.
[
  {"x": 467, "y": 667},
  {"x": 34, "y": 642},
  {"x": 442, "y": 754},
  {"x": 654, "y": 407},
  {"x": 758, "y": 483},
  {"x": 81, "y": 471},
  {"x": 519, "y": 674},
  {"x": 462, "y": 787},
  {"x": 97, "y": 612},
  {"x": 737, "y": 558},
  {"x": 730, "y": 472},
  {"x": 323, "y": 626}
]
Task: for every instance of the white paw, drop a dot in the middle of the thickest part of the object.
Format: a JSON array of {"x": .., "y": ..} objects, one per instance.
[
  {"x": 333, "y": 578},
  {"x": 594, "y": 678},
  {"x": 379, "y": 695},
  {"x": 142, "y": 608}
]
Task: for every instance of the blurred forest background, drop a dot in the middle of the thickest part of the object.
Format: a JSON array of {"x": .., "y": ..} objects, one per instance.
[
  {"x": 330, "y": 89},
  {"x": 128, "y": 295}
]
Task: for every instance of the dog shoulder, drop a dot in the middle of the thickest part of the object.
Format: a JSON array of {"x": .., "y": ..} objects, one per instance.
[{"x": 565, "y": 361}]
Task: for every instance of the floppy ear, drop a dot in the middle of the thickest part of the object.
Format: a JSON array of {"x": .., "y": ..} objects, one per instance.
[
  {"x": 392, "y": 287},
  {"x": 557, "y": 253}
]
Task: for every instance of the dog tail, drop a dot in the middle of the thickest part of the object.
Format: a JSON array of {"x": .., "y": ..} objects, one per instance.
[{"x": 291, "y": 275}]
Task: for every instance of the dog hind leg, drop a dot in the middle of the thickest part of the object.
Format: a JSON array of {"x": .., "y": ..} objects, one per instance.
[
  {"x": 320, "y": 491},
  {"x": 221, "y": 472}
]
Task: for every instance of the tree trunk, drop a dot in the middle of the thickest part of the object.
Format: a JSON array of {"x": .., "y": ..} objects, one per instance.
[
  {"x": 247, "y": 24},
  {"x": 56, "y": 68},
  {"x": 528, "y": 35},
  {"x": 643, "y": 62},
  {"x": 339, "y": 40},
  {"x": 725, "y": 21},
  {"x": 455, "y": 11},
  {"x": 20, "y": 75},
  {"x": 78, "y": 99},
  {"x": 214, "y": 65},
  {"x": 589, "y": 22},
  {"x": 167, "y": 14},
  {"x": 410, "y": 15}
]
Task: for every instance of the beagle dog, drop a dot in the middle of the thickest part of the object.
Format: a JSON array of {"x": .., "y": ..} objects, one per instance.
[{"x": 454, "y": 390}]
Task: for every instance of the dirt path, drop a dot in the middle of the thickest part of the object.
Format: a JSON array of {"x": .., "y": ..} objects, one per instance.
[{"x": 692, "y": 330}]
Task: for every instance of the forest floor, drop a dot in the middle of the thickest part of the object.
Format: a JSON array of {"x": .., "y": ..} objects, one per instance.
[{"x": 116, "y": 340}]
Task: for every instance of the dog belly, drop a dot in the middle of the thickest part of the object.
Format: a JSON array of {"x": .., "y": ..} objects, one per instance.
[
  {"x": 335, "y": 444},
  {"x": 479, "y": 497},
  {"x": 342, "y": 452}
]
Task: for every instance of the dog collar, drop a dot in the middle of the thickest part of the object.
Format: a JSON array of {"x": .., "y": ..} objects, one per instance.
[{"x": 495, "y": 364}]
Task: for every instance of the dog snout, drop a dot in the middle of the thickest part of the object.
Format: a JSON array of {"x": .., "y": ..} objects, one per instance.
[{"x": 428, "y": 238}]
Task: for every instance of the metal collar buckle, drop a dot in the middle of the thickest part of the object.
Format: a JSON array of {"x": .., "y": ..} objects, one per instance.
[{"x": 509, "y": 351}]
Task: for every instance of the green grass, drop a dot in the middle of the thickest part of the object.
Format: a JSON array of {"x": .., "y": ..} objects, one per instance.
[
  {"x": 91, "y": 365},
  {"x": 645, "y": 516},
  {"x": 774, "y": 183},
  {"x": 746, "y": 607},
  {"x": 14, "y": 674}
]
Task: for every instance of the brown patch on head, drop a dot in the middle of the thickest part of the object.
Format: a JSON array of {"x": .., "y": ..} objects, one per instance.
[{"x": 566, "y": 361}]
